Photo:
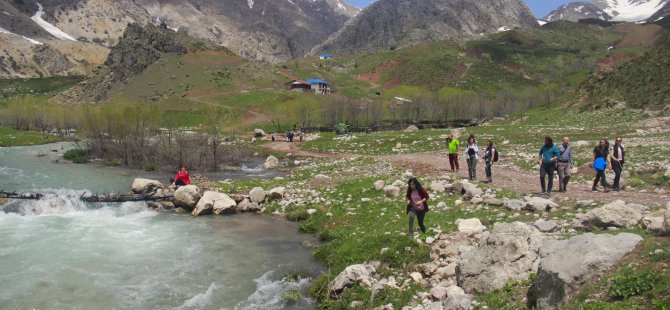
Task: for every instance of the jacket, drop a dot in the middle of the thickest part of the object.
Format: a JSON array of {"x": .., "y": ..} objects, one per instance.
[{"x": 424, "y": 195}]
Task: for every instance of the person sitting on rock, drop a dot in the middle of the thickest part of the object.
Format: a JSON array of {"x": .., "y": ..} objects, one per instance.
[{"x": 182, "y": 178}]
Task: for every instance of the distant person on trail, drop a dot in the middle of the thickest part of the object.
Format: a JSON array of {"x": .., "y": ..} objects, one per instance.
[
  {"x": 182, "y": 178},
  {"x": 417, "y": 204},
  {"x": 617, "y": 156},
  {"x": 287, "y": 136},
  {"x": 273, "y": 137},
  {"x": 564, "y": 164},
  {"x": 489, "y": 157},
  {"x": 301, "y": 135},
  {"x": 471, "y": 156},
  {"x": 548, "y": 158},
  {"x": 454, "y": 149},
  {"x": 600, "y": 154}
]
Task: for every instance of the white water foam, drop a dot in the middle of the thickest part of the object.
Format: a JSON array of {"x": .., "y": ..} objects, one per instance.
[
  {"x": 268, "y": 294},
  {"x": 201, "y": 300},
  {"x": 252, "y": 170}
]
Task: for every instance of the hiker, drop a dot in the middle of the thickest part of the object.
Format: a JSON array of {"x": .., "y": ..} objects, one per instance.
[
  {"x": 290, "y": 136},
  {"x": 301, "y": 135},
  {"x": 617, "y": 157},
  {"x": 548, "y": 158},
  {"x": 287, "y": 136},
  {"x": 600, "y": 154},
  {"x": 454, "y": 149},
  {"x": 273, "y": 137},
  {"x": 417, "y": 204},
  {"x": 490, "y": 156},
  {"x": 182, "y": 178},
  {"x": 564, "y": 165},
  {"x": 471, "y": 155}
]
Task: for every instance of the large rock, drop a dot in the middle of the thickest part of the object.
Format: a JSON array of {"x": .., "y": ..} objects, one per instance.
[
  {"x": 271, "y": 162},
  {"x": 653, "y": 222},
  {"x": 351, "y": 276},
  {"x": 468, "y": 189},
  {"x": 257, "y": 194},
  {"x": 277, "y": 192},
  {"x": 457, "y": 299},
  {"x": 437, "y": 186},
  {"x": 411, "y": 128},
  {"x": 379, "y": 185},
  {"x": 392, "y": 191},
  {"x": 565, "y": 265},
  {"x": 471, "y": 226},
  {"x": 509, "y": 252},
  {"x": 187, "y": 196},
  {"x": 259, "y": 133},
  {"x": 614, "y": 214},
  {"x": 214, "y": 202},
  {"x": 539, "y": 204},
  {"x": 515, "y": 205},
  {"x": 666, "y": 221},
  {"x": 146, "y": 187}
]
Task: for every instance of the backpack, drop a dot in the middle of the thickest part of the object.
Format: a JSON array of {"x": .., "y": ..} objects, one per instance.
[{"x": 495, "y": 156}]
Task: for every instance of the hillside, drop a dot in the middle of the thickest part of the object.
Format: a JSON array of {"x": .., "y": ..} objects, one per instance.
[
  {"x": 643, "y": 82},
  {"x": 391, "y": 24}
]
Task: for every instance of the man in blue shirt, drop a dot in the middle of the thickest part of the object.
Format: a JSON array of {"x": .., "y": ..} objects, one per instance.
[{"x": 548, "y": 156}]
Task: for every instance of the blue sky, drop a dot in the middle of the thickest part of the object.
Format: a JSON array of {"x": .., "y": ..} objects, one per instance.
[{"x": 539, "y": 7}]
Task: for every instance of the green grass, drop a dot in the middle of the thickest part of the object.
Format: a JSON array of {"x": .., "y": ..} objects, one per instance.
[{"x": 11, "y": 137}]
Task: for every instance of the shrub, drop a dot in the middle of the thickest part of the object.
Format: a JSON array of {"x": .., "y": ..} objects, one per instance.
[
  {"x": 292, "y": 296},
  {"x": 149, "y": 167},
  {"x": 77, "y": 156},
  {"x": 627, "y": 285}
]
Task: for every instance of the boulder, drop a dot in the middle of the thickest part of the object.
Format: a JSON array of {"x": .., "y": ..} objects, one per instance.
[
  {"x": 508, "y": 252},
  {"x": 565, "y": 265},
  {"x": 392, "y": 191},
  {"x": 271, "y": 162},
  {"x": 427, "y": 269},
  {"x": 438, "y": 293},
  {"x": 493, "y": 202},
  {"x": 614, "y": 214},
  {"x": 411, "y": 128},
  {"x": 653, "y": 222},
  {"x": 277, "y": 192},
  {"x": 257, "y": 194},
  {"x": 546, "y": 226},
  {"x": 457, "y": 299},
  {"x": 471, "y": 226},
  {"x": 146, "y": 187},
  {"x": 437, "y": 186},
  {"x": 349, "y": 277},
  {"x": 214, "y": 202},
  {"x": 259, "y": 133},
  {"x": 515, "y": 205},
  {"x": 379, "y": 185},
  {"x": 187, "y": 196},
  {"x": 467, "y": 189},
  {"x": 666, "y": 221},
  {"x": 539, "y": 204}
]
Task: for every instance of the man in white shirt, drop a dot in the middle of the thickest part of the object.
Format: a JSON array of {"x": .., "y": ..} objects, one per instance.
[{"x": 617, "y": 156}]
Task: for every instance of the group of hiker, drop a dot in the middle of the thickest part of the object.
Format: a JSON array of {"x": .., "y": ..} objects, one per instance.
[
  {"x": 490, "y": 156},
  {"x": 288, "y": 136}
]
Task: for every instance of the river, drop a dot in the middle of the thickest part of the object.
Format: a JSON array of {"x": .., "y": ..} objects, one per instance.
[{"x": 60, "y": 253}]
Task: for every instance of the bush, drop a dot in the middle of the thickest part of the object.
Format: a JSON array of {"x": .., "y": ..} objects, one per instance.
[
  {"x": 77, "y": 156},
  {"x": 149, "y": 167},
  {"x": 632, "y": 284}
]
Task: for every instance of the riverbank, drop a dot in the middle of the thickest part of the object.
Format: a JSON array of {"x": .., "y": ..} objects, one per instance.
[{"x": 12, "y": 137}]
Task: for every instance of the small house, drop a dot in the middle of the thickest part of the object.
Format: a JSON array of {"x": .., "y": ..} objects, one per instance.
[
  {"x": 319, "y": 86},
  {"x": 325, "y": 56},
  {"x": 299, "y": 86}
]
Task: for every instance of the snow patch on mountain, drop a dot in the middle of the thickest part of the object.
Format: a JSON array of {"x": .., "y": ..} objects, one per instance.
[
  {"x": 630, "y": 10},
  {"x": 53, "y": 30},
  {"x": 33, "y": 41}
]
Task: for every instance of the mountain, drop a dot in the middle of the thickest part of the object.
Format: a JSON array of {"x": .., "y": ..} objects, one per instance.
[
  {"x": 389, "y": 24},
  {"x": 575, "y": 11},
  {"x": 266, "y": 30},
  {"x": 660, "y": 14},
  {"x": 609, "y": 10}
]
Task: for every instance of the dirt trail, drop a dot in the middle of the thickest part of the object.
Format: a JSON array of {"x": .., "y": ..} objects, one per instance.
[
  {"x": 505, "y": 176},
  {"x": 511, "y": 178}
]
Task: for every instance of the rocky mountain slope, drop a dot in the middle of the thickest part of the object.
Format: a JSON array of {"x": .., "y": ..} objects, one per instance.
[
  {"x": 389, "y": 24},
  {"x": 575, "y": 11},
  {"x": 262, "y": 29}
]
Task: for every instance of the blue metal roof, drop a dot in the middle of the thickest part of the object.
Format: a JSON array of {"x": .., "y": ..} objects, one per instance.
[
  {"x": 316, "y": 81},
  {"x": 326, "y": 55}
]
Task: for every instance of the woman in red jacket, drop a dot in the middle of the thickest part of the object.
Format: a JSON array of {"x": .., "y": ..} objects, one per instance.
[
  {"x": 181, "y": 179},
  {"x": 417, "y": 204}
]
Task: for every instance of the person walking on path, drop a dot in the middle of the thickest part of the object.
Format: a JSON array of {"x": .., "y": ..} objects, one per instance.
[
  {"x": 548, "y": 157},
  {"x": 417, "y": 204},
  {"x": 489, "y": 158},
  {"x": 617, "y": 156},
  {"x": 273, "y": 137},
  {"x": 472, "y": 154},
  {"x": 600, "y": 154},
  {"x": 454, "y": 149},
  {"x": 564, "y": 164}
]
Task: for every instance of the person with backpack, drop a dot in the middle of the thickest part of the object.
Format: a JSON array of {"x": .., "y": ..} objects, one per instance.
[
  {"x": 564, "y": 165},
  {"x": 471, "y": 155},
  {"x": 490, "y": 157},
  {"x": 617, "y": 156},
  {"x": 454, "y": 149},
  {"x": 417, "y": 204},
  {"x": 548, "y": 157},
  {"x": 600, "y": 154}
]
